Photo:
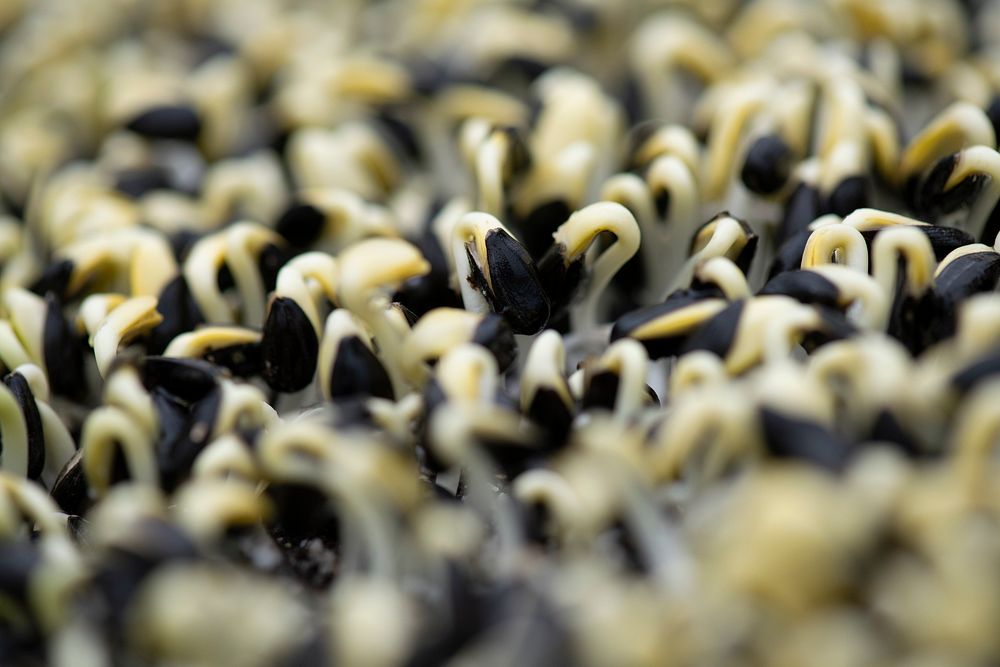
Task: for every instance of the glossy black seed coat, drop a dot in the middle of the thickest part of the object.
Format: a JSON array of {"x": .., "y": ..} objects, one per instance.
[
  {"x": 180, "y": 314},
  {"x": 630, "y": 94},
  {"x": 303, "y": 512},
  {"x": 601, "y": 391},
  {"x": 932, "y": 199},
  {"x": 718, "y": 334},
  {"x": 245, "y": 360},
  {"x": 18, "y": 386},
  {"x": 961, "y": 278},
  {"x": 561, "y": 283},
  {"x": 979, "y": 371},
  {"x": 357, "y": 371},
  {"x": 991, "y": 228},
  {"x": 512, "y": 456},
  {"x": 767, "y": 166},
  {"x": 945, "y": 239},
  {"x": 301, "y": 225},
  {"x": 665, "y": 346},
  {"x": 269, "y": 262},
  {"x": 136, "y": 182},
  {"x": 352, "y": 412},
  {"x": 495, "y": 335},
  {"x": 794, "y": 438},
  {"x": 185, "y": 380},
  {"x": 536, "y": 229},
  {"x": 803, "y": 206},
  {"x": 803, "y": 286},
  {"x": 70, "y": 490},
  {"x": 167, "y": 122},
  {"x": 428, "y": 76},
  {"x": 549, "y": 412},
  {"x": 887, "y": 428},
  {"x": 914, "y": 321},
  {"x": 850, "y": 194},
  {"x": 55, "y": 279},
  {"x": 515, "y": 290},
  {"x": 289, "y": 346},
  {"x": 433, "y": 289},
  {"x": 967, "y": 275},
  {"x": 396, "y": 128},
  {"x": 181, "y": 243},
  {"x": 834, "y": 325},
  {"x": 789, "y": 255},
  {"x": 63, "y": 351},
  {"x": 171, "y": 415},
  {"x": 181, "y": 444},
  {"x": 745, "y": 258}
]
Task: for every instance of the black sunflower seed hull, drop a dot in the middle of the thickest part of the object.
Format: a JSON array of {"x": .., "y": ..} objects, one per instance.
[{"x": 289, "y": 346}]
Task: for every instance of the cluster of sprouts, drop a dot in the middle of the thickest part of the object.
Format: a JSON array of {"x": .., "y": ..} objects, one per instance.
[{"x": 411, "y": 333}]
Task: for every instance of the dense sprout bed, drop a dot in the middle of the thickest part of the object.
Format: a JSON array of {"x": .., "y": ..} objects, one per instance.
[{"x": 501, "y": 333}]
